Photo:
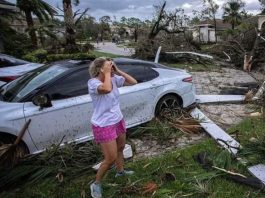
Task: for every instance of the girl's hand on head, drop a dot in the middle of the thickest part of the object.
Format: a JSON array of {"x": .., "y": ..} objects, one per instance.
[
  {"x": 115, "y": 68},
  {"x": 106, "y": 67}
]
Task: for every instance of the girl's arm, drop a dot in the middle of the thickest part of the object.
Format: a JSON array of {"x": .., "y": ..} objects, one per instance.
[{"x": 106, "y": 86}]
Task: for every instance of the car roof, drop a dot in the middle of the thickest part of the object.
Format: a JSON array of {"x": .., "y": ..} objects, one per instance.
[
  {"x": 85, "y": 63},
  {"x": 132, "y": 61},
  {"x": 12, "y": 58},
  {"x": 78, "y": 64}
]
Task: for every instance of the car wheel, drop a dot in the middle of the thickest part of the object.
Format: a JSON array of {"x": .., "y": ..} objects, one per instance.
[
  {"x": 169, "y": 105},
  {"x": 21, "y": 149}
]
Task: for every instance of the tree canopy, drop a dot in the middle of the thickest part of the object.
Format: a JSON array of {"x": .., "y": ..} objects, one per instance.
[{"x": 232, "y": 13}]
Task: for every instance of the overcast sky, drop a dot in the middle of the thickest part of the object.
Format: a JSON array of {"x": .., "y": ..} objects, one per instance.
[{"x": 143, "y": 9}]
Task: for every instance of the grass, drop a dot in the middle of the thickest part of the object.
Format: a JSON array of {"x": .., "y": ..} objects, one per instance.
[
  {"x": 194, "y": 67},
  {"x": 99, "y": 54},
  {"x": 188, "y": 178},
  {"x": 127, "y": 45},
  {"x": 251, "y": 127}
]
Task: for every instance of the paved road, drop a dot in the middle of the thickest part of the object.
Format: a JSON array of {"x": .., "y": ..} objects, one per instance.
[{"x": 112, "y": 48}]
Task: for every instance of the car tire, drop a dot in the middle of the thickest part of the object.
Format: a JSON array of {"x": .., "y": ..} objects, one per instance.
[
  {"x": 168, "y": 104},
  {"x": 21, "y": 149}
]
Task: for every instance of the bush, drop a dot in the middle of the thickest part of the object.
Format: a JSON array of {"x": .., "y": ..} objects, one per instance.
[
  {"x": 87, "y": 47},
  {"x": 15, "y": 44},
  {"x": 37, "y": 56},
  {"x": 42, "y": 56}
]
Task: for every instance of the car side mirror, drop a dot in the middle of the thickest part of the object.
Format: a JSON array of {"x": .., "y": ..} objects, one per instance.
[{"x": 42, "y": 100}]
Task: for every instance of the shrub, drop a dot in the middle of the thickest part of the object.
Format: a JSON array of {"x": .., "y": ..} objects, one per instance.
[
  {"x": 15, "y": 44},
  {"x": 38, "y": 56},
  {"x": 41, "y": 56}
]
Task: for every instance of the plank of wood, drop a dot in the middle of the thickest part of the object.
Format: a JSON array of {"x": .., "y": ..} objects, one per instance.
[
  {"x": 219, "y": 98},
  {"x": 216, "y": 132},
  {"x": 258, "y": 171}
]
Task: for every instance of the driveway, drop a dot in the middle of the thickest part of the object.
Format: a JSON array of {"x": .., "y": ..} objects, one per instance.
[
  {"x": 112, "y": 48},
  {"x": 224, "y": 115}
]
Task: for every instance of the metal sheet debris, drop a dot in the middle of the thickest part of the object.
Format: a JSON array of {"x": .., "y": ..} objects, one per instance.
[
  {"x": 219, "y": 98},
  {"x": 192, "y": 53},
  {"x": 216, "y": 132},
  {"x": 127, "y": 152},
  {"x": 258, "y": 171}
]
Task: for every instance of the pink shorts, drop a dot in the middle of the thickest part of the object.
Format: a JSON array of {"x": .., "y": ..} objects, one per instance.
[{"x": 108, "y": 133}]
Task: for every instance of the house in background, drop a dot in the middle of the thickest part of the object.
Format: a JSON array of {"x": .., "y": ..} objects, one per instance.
[
  {"x": 204, "y": 32},
  {"x": 6, "y": 6}
]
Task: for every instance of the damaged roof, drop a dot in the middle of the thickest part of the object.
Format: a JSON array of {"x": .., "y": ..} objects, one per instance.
[{"x": 220, "y": 24}]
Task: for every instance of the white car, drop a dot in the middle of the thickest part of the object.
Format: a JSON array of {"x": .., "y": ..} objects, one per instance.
[
  {"x": 55, "y": 97},
  {"x": 12, "y": 68}
]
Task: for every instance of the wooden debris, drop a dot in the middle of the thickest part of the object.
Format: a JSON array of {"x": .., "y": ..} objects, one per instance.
[
  {"x": 248, "y": 62},
  {"x": 193, "y": 54},
  {"x": 216, "y": 132},
  {"x": 187, "y": 125},
  {"x": 249, "y": 95},
  {"x": 150, "y": 187},
  {"x": 9, "y": 154},
  {"x": 260, "y": 92},
  {"x": 202, "y": 99},
  {"x": 229, "y": 172},
  {"x": 256, "y": 114},
  {"x": 258, "y": 171}
]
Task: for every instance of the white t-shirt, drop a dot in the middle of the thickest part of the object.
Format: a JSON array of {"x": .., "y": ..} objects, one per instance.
[{"x": 106, "y": 106}]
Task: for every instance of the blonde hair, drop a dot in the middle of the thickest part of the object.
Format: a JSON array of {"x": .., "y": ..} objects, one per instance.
[{"x": 96, "y": 65}]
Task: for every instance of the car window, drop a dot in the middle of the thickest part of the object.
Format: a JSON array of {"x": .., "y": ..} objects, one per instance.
[
  {"x": 4, "y": 62},
  {"x": 72, "y": 85},
  {"x": 21, "y": 87},
  {"x": 141, "y": 73}
]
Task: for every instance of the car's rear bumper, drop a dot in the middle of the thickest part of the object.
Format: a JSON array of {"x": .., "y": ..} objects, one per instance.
[{"x": 189, "y": 97}]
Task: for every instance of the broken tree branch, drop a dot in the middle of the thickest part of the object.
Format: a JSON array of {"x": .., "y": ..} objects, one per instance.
[
  {"x": 193, "y": 53},
  {"x": 260, "y": 92},
  {"x": 229, "y": 172}
]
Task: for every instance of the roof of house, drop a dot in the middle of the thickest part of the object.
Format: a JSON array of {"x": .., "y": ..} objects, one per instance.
[
  {"x": 5, "y": 5},
  {"x": 220, "y": 24}
]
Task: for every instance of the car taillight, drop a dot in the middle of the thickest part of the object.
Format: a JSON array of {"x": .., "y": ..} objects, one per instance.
[
  {"x": 188, "y": 79},
  {"x": 8, "y": 78}
]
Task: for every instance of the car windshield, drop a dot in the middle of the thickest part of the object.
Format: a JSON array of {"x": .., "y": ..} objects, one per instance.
[{"x": 19, "y": 88}]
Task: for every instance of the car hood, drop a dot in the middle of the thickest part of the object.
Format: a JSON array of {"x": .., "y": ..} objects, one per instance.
[
  {"x": 10, "y": 110},
  {"x": 18, "y": 70},
  {"x": 2, "y": 83}
]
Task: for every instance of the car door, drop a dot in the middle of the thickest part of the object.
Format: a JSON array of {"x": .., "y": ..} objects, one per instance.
[
  {"x": 137, "y": 101},
  {"x": 69, "y": 117}
]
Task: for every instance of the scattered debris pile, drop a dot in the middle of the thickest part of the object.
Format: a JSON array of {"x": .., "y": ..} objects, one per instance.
[
  {"x": 222, "y": 163},
  {"x": 247, "y": 47},
  {"x": 11, "y": 153},
  {"x": 170, "y": 124},
  {"x": 56, "y": 164}
]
